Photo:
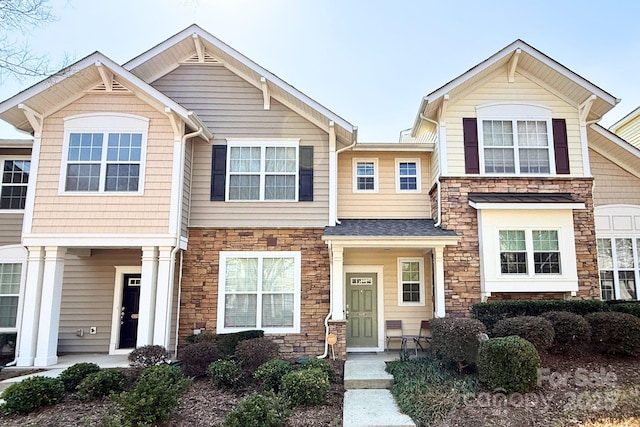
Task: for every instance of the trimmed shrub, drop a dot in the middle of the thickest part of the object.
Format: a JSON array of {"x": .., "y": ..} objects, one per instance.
[
  {"x": 154, "y": 397},
  {"x": 571, "y": 331},
  {"x": 148, "y": 355},
  {"x": 74, "y": 374},
  {"x": 491, "y": 312},
  {"x": 225, "y": 373},
  {"x": 32, "y": 393},
  {"x": 509, "y": 363},
  {"x": 322, "y": 364},
  {"x": 626, "y": 307},
  {"x": 306, "y": 387},
  {"x": 197, "y": 357},
  {"x": 202, "y": 337},
  {"x": 537, "y": 330},
  {"x": 258, "y": 410},
  {"x": 270, "y": 373},
  {"x": 455, "y": 340},
  {"x": 254, "y": 352},
  {"x": 615, "y": 333},
  {"x": 227, "y": 343},
  {"x": 100, "y": 384}
]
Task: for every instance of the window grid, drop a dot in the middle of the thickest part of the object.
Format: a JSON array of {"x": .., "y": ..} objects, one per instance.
[
  {"x": 15, "y": 177},
  {"x": 619, "y": 267},
  {"x": 407, "y": 175},
  {"x": 529, "y": 252},
  {"x": 10, "y": 277},
  {"x": 411, "y": 281},
  {"x": 365, "y": 176}
]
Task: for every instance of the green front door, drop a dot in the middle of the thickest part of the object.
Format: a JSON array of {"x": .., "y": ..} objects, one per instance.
[{"x": 362, "y": 315}]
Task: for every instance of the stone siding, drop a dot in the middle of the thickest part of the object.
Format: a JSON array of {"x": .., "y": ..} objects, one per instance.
[
  {"x": 462, "y": 262},
  {"x": 199, "y": 299}
]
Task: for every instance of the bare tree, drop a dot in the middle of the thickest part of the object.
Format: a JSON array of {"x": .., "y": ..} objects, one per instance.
[{"x": 16, "y": 56}]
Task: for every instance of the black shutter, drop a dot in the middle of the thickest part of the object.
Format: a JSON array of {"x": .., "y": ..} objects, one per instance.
[
  {"x": 560, "y": 146},
  {"x": 218, "y": 172},
  {"x": 470, "y": 136},
  {"x": 305, "y": 174}
]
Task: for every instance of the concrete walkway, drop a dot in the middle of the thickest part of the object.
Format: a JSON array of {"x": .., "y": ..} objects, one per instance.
[{"x": 367, "y": 399}]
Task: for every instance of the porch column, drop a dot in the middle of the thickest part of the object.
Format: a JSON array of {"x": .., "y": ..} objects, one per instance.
[
  {"x": 164, "y": 294},
  {"x": 146, "y": 310},
  {"x": 438, "y": 267},
  {"x": 337, "y": 283},
  {"x": 49, "y": 321},
  {"x": 28, "y": 336}
]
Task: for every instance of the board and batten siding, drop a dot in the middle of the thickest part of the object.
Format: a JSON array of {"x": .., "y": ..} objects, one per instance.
[
  {"x": 87, "y": 298},
  {"x": 10, "y": 227},
  {"x": 105, "y": 213},
  {"x": 233, "y": 108},
  {"x": 498, "y": 89},
  {"x": 410, "y": 315},
  {"x": 613, "y": 185},
  {"x": 386, "y": 202}
]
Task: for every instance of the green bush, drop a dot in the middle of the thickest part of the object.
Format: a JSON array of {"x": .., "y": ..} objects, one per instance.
[
  {"x": 100, "y": 384},
  {"x": 258, "y": 410},
  {"x": 254, "y": 352},
  {"x": 455, "y": 340},
  {"x": 626, "y": 307},
  {"x": 572, "y": 332},
  {"x": 615, "y": 333},
  {"x": 225, "y": 373},
  {"x": 227, "y": 343},
  {"x": 154, "y": 396},
  {"x": 197, "y": 357},
  {"x": 306, "y": 387},
  {"x": 202, "y": 337},
  {"x": 32, "y": 393},
  {"x": 148, "y": 355},
  {"x": 323, "y": 365},
  {"x": 491, "y": 312},
  {"x": 74, "y": 374},
  {"x": 508, "y": 364},
  {"x": 537, "y": 330},
  {"x": 271, "y": 373}
]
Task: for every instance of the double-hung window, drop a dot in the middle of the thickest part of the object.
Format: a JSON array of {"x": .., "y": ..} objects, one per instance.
[
  {"x": 411, "y": 281},
  {"x": 262, "y": 171},
  {"x": 365, "y": 175},
  {"x": 10, "y": 275},
  {"x": 529, "y": 252},
  {"x": 407, "y": 175},
  {"x": 259, "y": 290},
  {"x": 15, "y": 177},
  {"x": 619, "y": 265}
]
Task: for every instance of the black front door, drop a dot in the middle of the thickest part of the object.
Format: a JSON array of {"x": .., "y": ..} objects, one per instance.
[{"x": 129, "y": 311}]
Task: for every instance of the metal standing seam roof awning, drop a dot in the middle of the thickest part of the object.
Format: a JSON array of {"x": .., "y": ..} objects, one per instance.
[{"x": 524, "y": 201}]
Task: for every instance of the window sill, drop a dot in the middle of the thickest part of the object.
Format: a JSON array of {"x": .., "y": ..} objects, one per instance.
[{"x": 539, "y": 283}]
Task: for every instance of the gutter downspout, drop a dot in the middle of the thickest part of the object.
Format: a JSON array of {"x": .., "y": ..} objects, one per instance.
[{"x": 439, "y": 194}]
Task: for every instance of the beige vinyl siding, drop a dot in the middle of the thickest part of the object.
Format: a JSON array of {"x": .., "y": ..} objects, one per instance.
[
  {"x": 87, "y": 298},
  {"x": 101, "y": 213},
  {"x": 186, "y": 192},
  {"x": 613, "y": 185},
  {"x": 410, "y": 315},
  {"x": 630, "y": 131},
  {"x": 497, "y": 89},
  {"x": 10, "y": 228},
  {"x": 233, "y": 108},
  {"x": 386, "y": 203}
]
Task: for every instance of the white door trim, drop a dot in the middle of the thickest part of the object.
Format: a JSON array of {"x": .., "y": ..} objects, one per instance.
[
  {"x": 117, "y": 304},
  {"x": 379, "y": 271}
]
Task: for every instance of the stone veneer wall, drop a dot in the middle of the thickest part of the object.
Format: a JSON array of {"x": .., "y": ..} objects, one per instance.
[
  {"x": 462, "y": 262},
  {"x": 199, "y": 299}
]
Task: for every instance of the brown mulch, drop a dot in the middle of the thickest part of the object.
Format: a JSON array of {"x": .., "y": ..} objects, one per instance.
[{"x": 5, "y": 374}]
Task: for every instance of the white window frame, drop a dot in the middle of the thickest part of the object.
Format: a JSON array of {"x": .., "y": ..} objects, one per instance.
[
  {"x": 418, "y": 175},
  {"x": 528, "y": 236},
  {"x": 616, "y": 269},
  {"x": 515, "y": 112},
  {"x": 420, "y": 262},
  {"x": 19, "y": 158},
  {"x": 15, "y": 254},
  {"x": 263, "y": 144},
  {"x": 373, "y": 160},
  {"x": 104, "y": 123},
  {"x": 224, "y": 255}
]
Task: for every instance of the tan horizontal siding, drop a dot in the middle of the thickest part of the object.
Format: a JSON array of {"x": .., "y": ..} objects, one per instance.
[
  {"x": 498, "y": 89},
  {"x": 410, "y": 315},
  {"x": 87, "y": 298},
  {"x": 186, "y": 193},
  {"x": 10, "y": 228},
  {"x": 233, "y": 108},
  {"x": 613, "y": 185},
  {"x": 147, "y": 213},
  {"x": 386, "y": 203},
  {"x": 630, "y": 131}
]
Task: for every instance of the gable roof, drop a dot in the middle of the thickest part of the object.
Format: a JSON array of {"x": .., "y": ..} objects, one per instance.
[
  {"x": 167, "y": 56},
  {"x": 535, "y": 66},
  {"x": 614, "y": 148},
  {"x": 71, "y": 83}
]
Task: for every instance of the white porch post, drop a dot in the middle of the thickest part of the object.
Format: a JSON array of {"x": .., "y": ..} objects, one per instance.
[
  {"x": 164, "y": 294},
  {"x": 146, "y": 310},
  {"x": 337, "y": 283},
  {"x": 49, "y": 321},
  {"x": 438, "y": 266},
  {"x": 28, "y": 336}
]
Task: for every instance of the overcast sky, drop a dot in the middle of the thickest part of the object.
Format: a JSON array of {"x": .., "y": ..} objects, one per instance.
[{"x": 369, "y": 61}]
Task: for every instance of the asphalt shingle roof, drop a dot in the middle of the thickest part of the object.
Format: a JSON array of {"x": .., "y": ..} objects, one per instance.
[{"x": 388, "y": 228}]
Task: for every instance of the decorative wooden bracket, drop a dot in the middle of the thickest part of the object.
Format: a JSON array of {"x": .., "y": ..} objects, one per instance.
[
  {"x": 442, "y": 111},
  {"x": 106, "y": 76},
  {"x": 176, "y": 123},
  {"x": 35, "y": 119},
  {"x": 266, "y": 96},
  {"x": 199, "y": 47},
  {"x": 513, "y": 65},
  {"x": 584, "y": 109}
]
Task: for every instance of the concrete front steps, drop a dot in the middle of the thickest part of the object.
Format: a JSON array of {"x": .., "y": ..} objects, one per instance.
[{"x": 367, "y": 399}]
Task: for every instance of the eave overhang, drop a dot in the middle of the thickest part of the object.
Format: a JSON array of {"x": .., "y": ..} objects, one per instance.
[{"x": 611, "y": 146}]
